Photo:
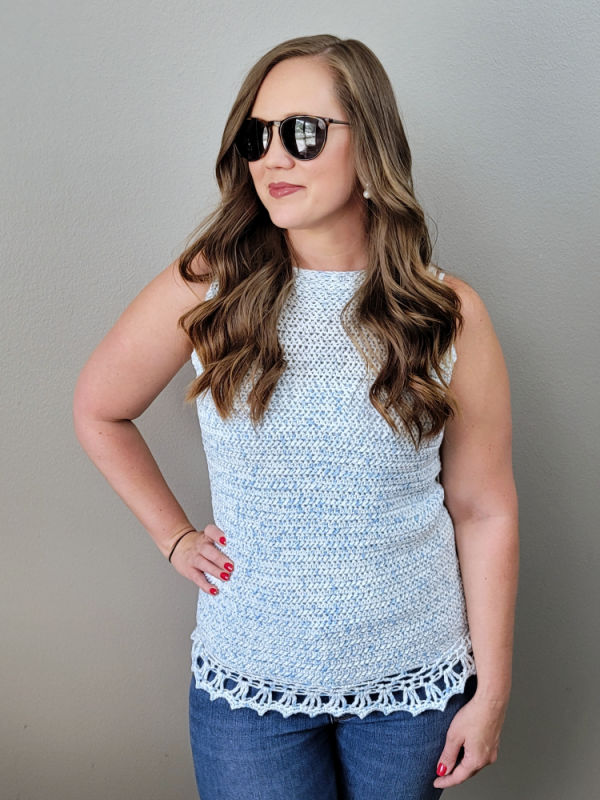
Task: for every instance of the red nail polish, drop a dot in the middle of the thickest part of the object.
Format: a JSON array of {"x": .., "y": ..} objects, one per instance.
[
  {"x": 441, "y": 770},
  {"x": 228, "y": 566},
  {"x": 214, "y": 591},
  {"x": 223, "y": 540},
  {"x": 225, "y": 576}
]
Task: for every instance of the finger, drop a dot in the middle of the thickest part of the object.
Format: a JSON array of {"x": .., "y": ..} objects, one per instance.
[
  {"x": 184, "y": 564},
  {"x": 192, "y": 564},
  {"x": 208, "y": 566},
  {"x": 460, "y": 773},
  {"x": 216, "y": 537},
  {"x": 450, "y": 754},
  {"x": 215, "y": 533},
  {"x": 198, "y": 577},
  {"x": 201, "y": 552},
  {"x": 216, "y": 555},
  {"x": 200, "y": 556}
]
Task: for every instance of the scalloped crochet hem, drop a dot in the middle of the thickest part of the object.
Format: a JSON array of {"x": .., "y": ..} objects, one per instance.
[{"x": 415, "y": 690}]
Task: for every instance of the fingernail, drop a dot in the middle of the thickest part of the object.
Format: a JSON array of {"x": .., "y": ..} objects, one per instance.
[
  {"x": 229, "y": 566},
  {"x": 223, "y": 540},
  {"x": 225, "y": 576},
  {"x": 441, "y": 770},
  {"x": 214, "y": 591}
]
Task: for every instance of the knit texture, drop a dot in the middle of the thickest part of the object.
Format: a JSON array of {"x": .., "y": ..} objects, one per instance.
[{"x": 346, "y": 596}]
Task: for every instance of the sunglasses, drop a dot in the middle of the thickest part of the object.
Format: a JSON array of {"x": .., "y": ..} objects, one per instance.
[{"x": 303, "y": 137}]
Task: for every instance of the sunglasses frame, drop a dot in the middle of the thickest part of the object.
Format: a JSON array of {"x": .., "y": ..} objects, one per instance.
[{"x": 279, "y": 122}]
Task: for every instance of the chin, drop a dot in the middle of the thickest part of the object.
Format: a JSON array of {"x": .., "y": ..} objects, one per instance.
[{"x": 286, "y": 221}]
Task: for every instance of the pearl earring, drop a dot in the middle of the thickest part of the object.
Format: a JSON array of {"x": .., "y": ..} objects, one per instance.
[{"x": 366, "y": 191}]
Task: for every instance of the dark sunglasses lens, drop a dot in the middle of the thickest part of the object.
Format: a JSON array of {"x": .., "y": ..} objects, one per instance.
[
  {"x": 252, "y": 139},
  {"x": 304, "y": 137}
]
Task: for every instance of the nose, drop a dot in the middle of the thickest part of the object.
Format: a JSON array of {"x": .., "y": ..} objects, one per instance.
[{"x": 277, "y": 155}]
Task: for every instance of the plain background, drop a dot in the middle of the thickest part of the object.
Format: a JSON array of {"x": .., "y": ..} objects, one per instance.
[{"x": 112, "y": 118}]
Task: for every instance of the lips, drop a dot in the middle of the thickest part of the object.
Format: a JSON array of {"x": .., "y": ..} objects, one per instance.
[
  {"x": 284, "y": 186},
  {"x": 282, "y": 189}
]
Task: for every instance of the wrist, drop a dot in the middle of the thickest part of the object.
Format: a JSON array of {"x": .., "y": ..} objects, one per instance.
[
  {"x": 493, "y": 695},
  {"x": 183, "y": 535},
  {"x": 167, "y": 545}
]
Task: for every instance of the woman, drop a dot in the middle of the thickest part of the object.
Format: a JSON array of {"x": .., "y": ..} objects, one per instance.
[{"x": 356, "y": 604}]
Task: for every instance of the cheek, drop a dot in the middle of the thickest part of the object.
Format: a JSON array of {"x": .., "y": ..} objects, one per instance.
[
  {"x": 341, "y": 168},
  {"x": 337, "y": 180},
  {"x": 253, "y": 174}
]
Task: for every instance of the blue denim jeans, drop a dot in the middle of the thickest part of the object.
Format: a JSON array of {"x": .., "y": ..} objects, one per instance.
[{"x": 241, "y": 755}]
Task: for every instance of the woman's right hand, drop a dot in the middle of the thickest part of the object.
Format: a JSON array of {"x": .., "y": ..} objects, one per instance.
[{"x": 197, "y": 554}]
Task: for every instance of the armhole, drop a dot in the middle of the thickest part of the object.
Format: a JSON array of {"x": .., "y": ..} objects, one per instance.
[
  {"x": 449, "y": 357},
  {"x": 210, "y": 292},
  {"x": 196, "y": 363}
]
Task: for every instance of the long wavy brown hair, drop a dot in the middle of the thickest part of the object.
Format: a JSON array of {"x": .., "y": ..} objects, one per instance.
[{"x": 403, "y": 320}]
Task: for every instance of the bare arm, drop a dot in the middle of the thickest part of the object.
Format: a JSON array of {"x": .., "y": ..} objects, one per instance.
[
  {"x": 480, "y": 494},
  {"x": 481, "y": 498},
  {"x": 130, "y": 367}
]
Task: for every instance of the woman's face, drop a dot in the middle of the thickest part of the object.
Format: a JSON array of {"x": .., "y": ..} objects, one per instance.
[{"x": 304, "y": 85}]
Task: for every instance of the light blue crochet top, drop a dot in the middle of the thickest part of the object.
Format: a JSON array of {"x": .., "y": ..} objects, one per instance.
[{"x": 346, "y": 595}]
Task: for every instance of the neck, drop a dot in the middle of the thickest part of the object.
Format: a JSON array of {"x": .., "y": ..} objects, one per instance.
[{"x": 341, "y": 245}]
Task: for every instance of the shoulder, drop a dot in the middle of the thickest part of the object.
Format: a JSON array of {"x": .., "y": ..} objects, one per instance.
[
  {"x": 142, "y": 351},
  {"x": 480, "y": 375},
  {"x": 469, "y": 298},
  {"x": 477, "y": 322}
]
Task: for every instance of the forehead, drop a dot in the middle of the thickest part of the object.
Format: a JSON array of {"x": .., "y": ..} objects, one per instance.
[{"x": 296, "y": 86}]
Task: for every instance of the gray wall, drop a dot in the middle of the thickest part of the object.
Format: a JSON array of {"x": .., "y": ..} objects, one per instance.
[{"x": 113, "y": 114}]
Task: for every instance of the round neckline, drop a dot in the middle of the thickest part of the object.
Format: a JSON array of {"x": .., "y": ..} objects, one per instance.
[{"x": 301, "y": 270}]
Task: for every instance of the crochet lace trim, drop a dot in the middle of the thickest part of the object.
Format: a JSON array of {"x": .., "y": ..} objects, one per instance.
[{"x": 415, "y": 690}]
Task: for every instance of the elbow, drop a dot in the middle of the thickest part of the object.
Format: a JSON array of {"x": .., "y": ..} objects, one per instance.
[
  {"x": 86, "y": 414},
  {"x": 502, "y": 502},
  {"x": 83, "y": 413}
]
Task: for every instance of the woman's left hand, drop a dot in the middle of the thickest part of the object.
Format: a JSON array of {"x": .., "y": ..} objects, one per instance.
[{"x": 475, "y": 727}]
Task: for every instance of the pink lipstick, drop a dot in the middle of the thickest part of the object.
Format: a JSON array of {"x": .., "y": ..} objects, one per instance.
[{"x": 282, "y": 189}]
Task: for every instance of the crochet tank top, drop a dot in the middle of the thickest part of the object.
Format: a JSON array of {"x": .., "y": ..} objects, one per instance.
[{"x": 346, "y": 596}]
